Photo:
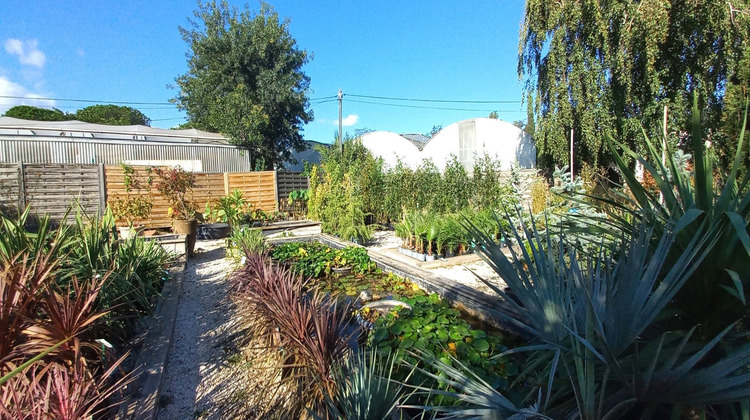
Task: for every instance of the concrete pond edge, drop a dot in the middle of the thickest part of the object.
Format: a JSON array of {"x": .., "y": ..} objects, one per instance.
[{"x": 143, "y": 403}]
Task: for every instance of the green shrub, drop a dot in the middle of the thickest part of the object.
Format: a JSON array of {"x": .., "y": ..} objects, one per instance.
[
  {"x": 313, "y": 259},
  {"x": 243, "y": 242}
]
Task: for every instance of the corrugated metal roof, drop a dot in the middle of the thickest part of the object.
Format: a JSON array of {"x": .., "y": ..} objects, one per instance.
[{"x": 19, "y": 127}]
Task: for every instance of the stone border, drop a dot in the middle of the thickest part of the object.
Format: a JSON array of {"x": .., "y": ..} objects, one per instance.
[
  {"x": 143, "y": 404},
  {"x": 477, "y": 304}
]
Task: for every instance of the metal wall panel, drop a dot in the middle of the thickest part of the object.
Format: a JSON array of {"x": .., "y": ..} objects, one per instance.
[{"x": 214, "y": 158}]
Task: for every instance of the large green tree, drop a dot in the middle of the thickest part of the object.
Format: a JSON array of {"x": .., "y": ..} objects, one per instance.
[
  {"x": 609, "y": 67},
  {"x": 244, "y": 80},
  {"x": 26, "y": 112},
  {"x": 112, "y": 115}
]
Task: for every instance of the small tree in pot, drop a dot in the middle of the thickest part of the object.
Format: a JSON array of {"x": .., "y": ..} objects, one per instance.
[{"x": 176, "y": 185}]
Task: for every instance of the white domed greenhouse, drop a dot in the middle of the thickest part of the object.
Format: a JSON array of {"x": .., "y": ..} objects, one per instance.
[{"x": 466, "y": 139}]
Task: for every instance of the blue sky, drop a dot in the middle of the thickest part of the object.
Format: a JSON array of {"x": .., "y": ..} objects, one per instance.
[{"x": 117, "y": 51}]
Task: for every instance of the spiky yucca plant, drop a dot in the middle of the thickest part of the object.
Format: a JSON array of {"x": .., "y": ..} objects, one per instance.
[
  {"x": 596, "y": 323},
  {"x": 705, "y": 198},
  {"x": 364, "y": 388}
]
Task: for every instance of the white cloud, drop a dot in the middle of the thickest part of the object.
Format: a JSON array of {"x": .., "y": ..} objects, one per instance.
[
  {"x": 350, "y": 120},
  {"x": 28, "y": 52},
  {"x": 21, "y": 96}
]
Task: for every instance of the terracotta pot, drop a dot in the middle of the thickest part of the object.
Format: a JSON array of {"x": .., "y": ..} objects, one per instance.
[{"x": 189, "y": 228}]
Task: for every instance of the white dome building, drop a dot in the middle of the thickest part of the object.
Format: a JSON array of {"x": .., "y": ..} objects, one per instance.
[{"x": 466, "y": 140}]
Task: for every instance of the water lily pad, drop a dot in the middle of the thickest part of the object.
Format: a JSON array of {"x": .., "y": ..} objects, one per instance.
[{"x": 481, "y": 344}]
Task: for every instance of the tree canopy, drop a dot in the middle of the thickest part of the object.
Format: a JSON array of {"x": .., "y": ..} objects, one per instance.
[
  {"x": 112, "y": 115},
  {"x": 244, "y": 80},
  {"x": 95, "y": 114},
  {"x": 609, "y": 68},
  {"x": 26, "y": 112}
]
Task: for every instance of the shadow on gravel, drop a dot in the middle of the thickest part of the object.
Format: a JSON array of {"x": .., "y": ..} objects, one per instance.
[{"x": 203, "y": 320}]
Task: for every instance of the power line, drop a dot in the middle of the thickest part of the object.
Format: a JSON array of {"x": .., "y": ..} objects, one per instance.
[
  {"x": 86, "y": 100},
  {"x": 113, "y": 102},
  {"x": 169, "y": 119},
  {"x": 325, "y": 102},
  {"x": 432, "y": 100},
  {"x": 432, "y": 107}
]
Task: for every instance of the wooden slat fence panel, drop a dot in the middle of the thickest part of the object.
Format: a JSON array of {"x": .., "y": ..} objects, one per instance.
[
  {"x": 288, "y": 181},
  {"x": 10, "y": 188},
  {"x": 209, "y": 187},
  {"x": 259, "y": 188},
  {"x": 54, "y": 188}
]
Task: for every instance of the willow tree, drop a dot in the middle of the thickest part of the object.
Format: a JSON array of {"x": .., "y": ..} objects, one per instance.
[{"x": 609, "y": 67}]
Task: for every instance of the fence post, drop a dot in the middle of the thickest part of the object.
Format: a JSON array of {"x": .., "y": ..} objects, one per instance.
[
  {"x": 21, "y": 187},
  {"x": 226, "y": 183},
  {"x": 102, "y": 189},
  {"x": 276, "y": 189}
]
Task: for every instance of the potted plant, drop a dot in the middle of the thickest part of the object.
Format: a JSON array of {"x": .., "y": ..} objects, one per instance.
[
  {"x": 229, "y": 213},
  {"x": 176, "y": 185},
  {"x": 431, "y": 235},
  {"x": 135, "y": 206}
]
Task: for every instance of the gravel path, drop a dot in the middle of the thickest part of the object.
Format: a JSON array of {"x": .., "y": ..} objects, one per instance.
[{"x": 203, "y": 338}]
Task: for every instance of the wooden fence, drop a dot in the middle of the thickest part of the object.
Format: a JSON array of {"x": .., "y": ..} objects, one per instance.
[
  {"x": 288, "y": 181},
  {"x": 259, "y": 188},
  {"x": 52, "y": 188},
  {"x": 55, "y": 188}
]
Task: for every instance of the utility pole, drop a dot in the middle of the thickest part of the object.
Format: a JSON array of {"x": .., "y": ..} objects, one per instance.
[
  {"x": 341, "y": 134},
  {"x": 572, "y": 177}
]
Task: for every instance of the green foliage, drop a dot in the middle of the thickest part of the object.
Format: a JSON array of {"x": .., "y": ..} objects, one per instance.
[
  {"x": 136, "y": 267},
  {"x": 366, "y": 388},
  {"x": 303, "y": 195},
  {"x": 232, "y": 209},
  {"x": 313, "y": 259},
  {"x": 245, "y": 241},
  {"x": 599, "y": 326},
  {"x": 456, "y": 188},
  {"x": 436, "y": 328},
  {"x": 716, "y": 293},
  {"x": 26, "y": 112},
  {"x": 339, "y": 188},
  {"x": 486, "y": 187},
  {"x": 59, "y": 290},
  {"x": 244, "y": 80},
  {"x": 112, "y": 115},
  {"x": 609, "y": 68},
  {"x": 132, "y": 208}
]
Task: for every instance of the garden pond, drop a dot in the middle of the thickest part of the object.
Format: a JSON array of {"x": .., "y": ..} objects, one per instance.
[{"x": 423, "y": 323}]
